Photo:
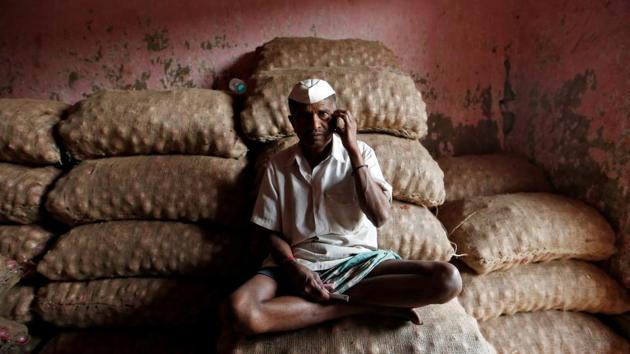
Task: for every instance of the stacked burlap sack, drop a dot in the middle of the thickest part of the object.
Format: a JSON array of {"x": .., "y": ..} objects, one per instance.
[
  {"x": 157, "y": 207},
  {"x": 526, "y": 252},
  {"x": 29, "y": 165},
  {"x": 391, "y": 117},
  {"x": 366, "y": 76}
]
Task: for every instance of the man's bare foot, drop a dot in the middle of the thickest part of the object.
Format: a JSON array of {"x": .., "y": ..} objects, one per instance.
[
  {"x": 413, "y": 316},
  {"x": 405, "y": 313}
]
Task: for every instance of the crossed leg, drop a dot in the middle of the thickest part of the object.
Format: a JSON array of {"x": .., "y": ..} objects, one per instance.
[
  {"x": 408, "y": 284},
  {"x": 392, "y": 288}
]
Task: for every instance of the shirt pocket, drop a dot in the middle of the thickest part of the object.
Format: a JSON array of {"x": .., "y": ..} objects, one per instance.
[{"x": 342, "y": 208}]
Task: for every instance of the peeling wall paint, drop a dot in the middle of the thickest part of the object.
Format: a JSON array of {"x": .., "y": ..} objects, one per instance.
[
  {"x": 572, "y": 112},
  {"x": 446, "y": 139}
]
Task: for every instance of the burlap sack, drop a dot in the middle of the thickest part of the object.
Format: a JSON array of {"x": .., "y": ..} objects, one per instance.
[
  {"x": 557, "y": 285},
  {"x": 21, "y": 191},
  {"x": 552, "y": 332},
  {"x": 406, "y": 165},
  {"x": 123, "y": 342},
  {"x": 301, "y": 52},
  {"x": 446, "y": 329},
  {"x": 502, "y": 231},
  {"x": 184, "y": 121},
  {"x": 144, "y": 248},
  {"x": 480, "y": 175},
  {"x": 414, "y": 233},
  {"x": 190, "y": 188},
  {"x": 26, "y": 130},
  {"x": 381, "y": 100},
  {"x": 17, "y": 337},
  {"x": 16, "y": 304},
  {"x": 23, "y": 242},
  {"x": 267, "y": 153},
  {"x": 10, "y": 274},
  {"x": 124, "y": 302}
]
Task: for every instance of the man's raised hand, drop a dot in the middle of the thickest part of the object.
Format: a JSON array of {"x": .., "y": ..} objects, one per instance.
[{"x": 348, "y": 133}]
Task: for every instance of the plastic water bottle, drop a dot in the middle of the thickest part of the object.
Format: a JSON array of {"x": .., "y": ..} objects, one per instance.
[{"x": 237, "y": 86}]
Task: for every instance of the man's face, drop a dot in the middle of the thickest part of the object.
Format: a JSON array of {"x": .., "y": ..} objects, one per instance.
[{"x": 311, "y": 123}]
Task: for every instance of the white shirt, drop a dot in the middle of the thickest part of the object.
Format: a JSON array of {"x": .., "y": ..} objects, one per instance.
[{"x": 317, "y": 211}]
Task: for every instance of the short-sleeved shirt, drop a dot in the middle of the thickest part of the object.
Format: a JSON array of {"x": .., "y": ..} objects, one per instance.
[{"x": 317, "y": 210}]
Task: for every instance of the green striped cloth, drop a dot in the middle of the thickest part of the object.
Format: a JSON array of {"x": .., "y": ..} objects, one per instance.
[{"x": 345, "y": 275}]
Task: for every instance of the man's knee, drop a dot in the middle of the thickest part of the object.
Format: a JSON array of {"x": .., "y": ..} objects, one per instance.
[
  {"x": 447, "y": 282},
  {"x": 244, "y": 313}
]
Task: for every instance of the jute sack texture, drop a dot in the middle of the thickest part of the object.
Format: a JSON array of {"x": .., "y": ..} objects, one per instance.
[
  {"x": 123, "y": 342},
  {"x": 169, "y": 187},
  {"x": 300, "y": 52},
  {"x": 17, "y": 332},
  {"x": 144, "y": 248},
  {"x": 406, "y": 165},
  {"x": 414, "y": 233},
  {"x": 184, "y": 121},
  {"x": 446, "y": 328},
  {"x": 23, "y": 242},
  {"x": 557, "y": 285},
  {"x": 10, "y": 274},
  {"x": 381, "y": 100},
  {"x": 124, "y": 302},
  {"x": 26, "y": 130},
  {"x": 21, "y": 191},
  {"x": 502, "y": 231},
  {"x": 482, "y": 175},
  {"x": 16, "y": 304},
  {"x": 552, "y": 332}
]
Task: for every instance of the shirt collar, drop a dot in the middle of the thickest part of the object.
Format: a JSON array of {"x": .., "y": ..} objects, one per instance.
[{"x": 338, "y": 151}]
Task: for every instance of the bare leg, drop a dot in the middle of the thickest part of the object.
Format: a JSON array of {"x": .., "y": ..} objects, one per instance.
[
  {"x": 391, "y": 289},
  {"x": 257, "y": 312},
  {"x": 408, "y": 284},
  {"x": 252, "y": 309}
]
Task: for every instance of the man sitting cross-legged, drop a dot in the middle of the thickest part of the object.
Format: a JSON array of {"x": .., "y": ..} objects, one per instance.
[{"x": 320, "y": 203}]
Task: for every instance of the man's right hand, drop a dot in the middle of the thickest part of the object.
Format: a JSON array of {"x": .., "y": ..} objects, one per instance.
[{"x": 305, "y": 282}]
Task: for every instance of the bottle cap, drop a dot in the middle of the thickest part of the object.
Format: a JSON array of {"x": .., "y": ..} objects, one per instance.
[{"x": 237, "y": 86}]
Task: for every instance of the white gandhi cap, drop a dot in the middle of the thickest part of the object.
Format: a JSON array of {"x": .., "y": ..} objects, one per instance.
[{"x": 311, "y": 91}]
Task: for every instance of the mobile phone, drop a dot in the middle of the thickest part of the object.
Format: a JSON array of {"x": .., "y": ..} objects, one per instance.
[
  {"x": 332, "y": 124},
  {"x": 335, "y": 125}
]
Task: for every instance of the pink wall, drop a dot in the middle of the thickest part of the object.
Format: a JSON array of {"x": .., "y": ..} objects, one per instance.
[
  {"x": 68, "y": 49},
  {"x": 572, "y": 82}
]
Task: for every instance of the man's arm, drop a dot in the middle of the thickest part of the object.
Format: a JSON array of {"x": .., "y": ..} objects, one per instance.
[
  {"x": 267, "y": 217},
  {"x": 279, "y": 249},
  {"x": 301, "y": 279},
  {"x": 373, "y": 200}
]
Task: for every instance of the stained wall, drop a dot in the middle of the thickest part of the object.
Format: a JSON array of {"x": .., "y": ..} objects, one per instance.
[{"x": 572, "y": 106}]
